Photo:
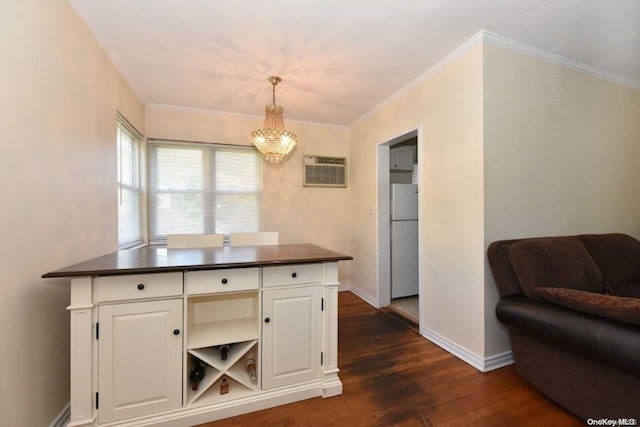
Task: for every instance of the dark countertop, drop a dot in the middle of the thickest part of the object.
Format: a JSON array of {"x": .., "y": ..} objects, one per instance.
[{"x": 159, "y": 259}]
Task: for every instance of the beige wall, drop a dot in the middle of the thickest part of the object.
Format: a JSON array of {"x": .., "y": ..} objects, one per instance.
[
  {"x": 299, "y": 214},
  {"x": 561, "y": 156},
  {"x": 58, "y": 108},
  {"x": 510, "y": 147},
  {"x": 448, "y": 106}
]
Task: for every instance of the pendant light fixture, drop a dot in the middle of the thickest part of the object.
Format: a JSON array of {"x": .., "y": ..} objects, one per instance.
[{"x": 273, "y": 140}]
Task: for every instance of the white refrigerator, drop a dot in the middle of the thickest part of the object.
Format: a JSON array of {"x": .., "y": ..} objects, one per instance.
[{"x": 404, "y": 240}]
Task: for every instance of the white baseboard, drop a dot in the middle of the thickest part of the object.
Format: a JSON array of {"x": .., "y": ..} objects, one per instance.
[
  {"x": 498, "y": 361},
  {"x": 365, "y": 296},
  {"x": 342, "y": 287},
  {"x": 63, "y": 417},
  {"x": 482, "y": 364},
  {"x": 457, "y": 350},
  {"x": 196, "y": 415},
  {"x": 329, "y": 386}
]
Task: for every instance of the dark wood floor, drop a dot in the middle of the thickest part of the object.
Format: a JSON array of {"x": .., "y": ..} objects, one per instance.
[{"x": 394, "y": 377}]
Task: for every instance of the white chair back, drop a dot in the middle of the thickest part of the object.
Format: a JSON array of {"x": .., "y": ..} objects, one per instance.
[
  {"x": 254, "y": 239},
  {"x": 182, "y": 241}
]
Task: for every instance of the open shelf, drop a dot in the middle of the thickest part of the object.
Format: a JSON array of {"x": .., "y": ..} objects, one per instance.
[
  {"x": 211, "y": 355},
  {"x": 210, "y": 377},
  {"x": 222, "y": 332},
  {"x": 234, "y": 369},
  {"x": 212, "y": 395},
  {"x": 238, "y": 370},
  {"x": 222, "y": 319}
]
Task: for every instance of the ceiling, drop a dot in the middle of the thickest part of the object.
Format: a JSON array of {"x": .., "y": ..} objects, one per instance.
[{"x": 338, "y": 58}]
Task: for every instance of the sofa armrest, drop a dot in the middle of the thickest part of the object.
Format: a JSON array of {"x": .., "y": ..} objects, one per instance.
[{"x": 609, "y": 342}]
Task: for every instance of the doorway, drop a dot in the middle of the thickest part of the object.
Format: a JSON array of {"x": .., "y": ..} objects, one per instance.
[{"x": 398, "y": 226}]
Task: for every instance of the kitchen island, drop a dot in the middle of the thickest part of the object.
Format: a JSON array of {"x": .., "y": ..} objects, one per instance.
[{"x": 260, "y": 323}]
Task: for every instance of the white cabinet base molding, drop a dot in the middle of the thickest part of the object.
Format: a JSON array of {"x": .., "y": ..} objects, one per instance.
[{"x": 173, "y": 342}]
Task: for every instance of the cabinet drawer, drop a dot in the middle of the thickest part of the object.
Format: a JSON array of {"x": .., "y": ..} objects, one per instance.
[
  {"x": 137, "y": 286},
  {"x": 295, "y": 274},
  {"x": 212, "y": 281}
]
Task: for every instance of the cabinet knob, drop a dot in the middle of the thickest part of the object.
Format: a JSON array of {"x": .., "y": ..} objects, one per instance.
[
  {"x": 294, "y": 275},
  {"x": 267, "y": 320},
  {"x": 224, "y": 281},
  {"x": 176, "y": 332},
  {"x": 141, "y": 286}
]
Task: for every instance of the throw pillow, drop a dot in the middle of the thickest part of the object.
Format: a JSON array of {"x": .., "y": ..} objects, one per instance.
[{"x": 622, "y": 309}]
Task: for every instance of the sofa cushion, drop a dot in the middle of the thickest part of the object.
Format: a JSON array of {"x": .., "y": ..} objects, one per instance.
[
  {"x": 611, "y": 307},
  {"x": 617, "y": 256},
  {"x": 505, "y": 277},
  {"x": 609, "y": 342},
  {"x": 556, "y": 261}
]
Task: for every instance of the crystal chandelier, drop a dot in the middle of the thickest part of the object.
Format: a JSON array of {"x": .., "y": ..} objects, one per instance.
[{"x": 273, "y": 140}]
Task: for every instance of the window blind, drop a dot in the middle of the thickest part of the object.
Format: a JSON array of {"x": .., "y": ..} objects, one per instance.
[
  {"x": 129, "y": 191},
  {"x": 203, "y": 188}
]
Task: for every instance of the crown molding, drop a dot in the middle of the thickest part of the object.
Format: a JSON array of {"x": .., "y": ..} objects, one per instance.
[
  {"x": 183, "y": 109},
  {"x": 499, "y": 40},
  {"x": 460, "y": 50}
]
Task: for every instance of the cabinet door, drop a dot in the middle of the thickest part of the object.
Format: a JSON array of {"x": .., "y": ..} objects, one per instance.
[
  {"x": 393, "y": 159},
  {"x": 291, "y": 336},
  {"x": 139, "y": 358},
  {"x": 401, "y": 158}
]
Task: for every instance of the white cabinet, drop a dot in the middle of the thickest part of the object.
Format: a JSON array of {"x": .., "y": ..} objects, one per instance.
[
  {"x": 135, "y": 339},
  {"x": 401, "y": 158},
  {"x": 140, "y": 358},
  {"x": 291, "y": 332}
]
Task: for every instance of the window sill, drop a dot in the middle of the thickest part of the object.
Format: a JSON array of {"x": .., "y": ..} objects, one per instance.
[{"x": 138, "y": 246}]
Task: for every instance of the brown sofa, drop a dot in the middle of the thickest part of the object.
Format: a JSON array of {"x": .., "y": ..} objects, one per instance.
[{"x": 588, "y": 363}]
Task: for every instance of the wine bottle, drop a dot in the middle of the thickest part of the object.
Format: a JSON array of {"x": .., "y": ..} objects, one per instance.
[
  {"x": 224, "y": 386},
  {"x": 250, "y": 365},
  {"x": 224, "y": 352},
  {"x": 197, "y": 373}
]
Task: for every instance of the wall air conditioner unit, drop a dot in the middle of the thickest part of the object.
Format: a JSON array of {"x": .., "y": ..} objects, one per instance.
[{"x": 324, "y": 171}]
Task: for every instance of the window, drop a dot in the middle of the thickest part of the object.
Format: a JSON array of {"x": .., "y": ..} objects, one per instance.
[
  {"x": 203, "y": 188},
  {"x": 129, "y": 193}
]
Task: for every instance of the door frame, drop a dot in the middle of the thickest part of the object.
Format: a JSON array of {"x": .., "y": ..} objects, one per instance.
[{"x": 383, "y": 234}]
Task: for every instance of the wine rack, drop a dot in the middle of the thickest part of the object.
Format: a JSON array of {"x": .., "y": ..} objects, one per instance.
[
  {"x": 233, "y": 368},
  {"x": 222, "y": 319}
]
